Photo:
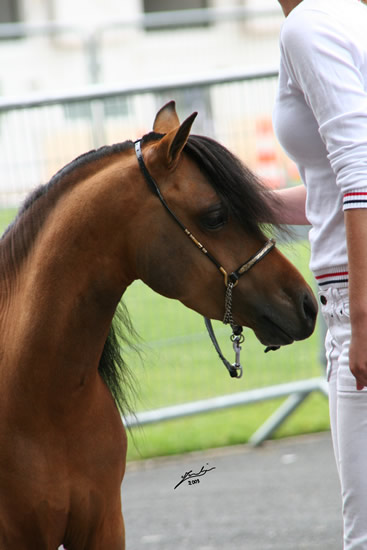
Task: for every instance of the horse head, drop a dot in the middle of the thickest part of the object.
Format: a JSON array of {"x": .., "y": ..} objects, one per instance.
[{"x": 201, "y": 191}]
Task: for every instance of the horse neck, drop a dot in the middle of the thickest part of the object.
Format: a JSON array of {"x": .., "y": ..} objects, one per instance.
[{"x": 65, "y": 292}]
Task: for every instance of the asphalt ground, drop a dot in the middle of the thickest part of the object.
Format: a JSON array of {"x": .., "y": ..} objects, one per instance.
[{"x": 282, "y": 496}]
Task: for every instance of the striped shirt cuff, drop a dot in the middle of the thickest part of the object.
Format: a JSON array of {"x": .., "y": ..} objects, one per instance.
[
  {"x": 336, "y": 277},
  {"x": 355, "y": 199}
]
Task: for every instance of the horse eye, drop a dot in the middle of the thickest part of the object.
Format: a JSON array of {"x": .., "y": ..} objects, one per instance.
[{"x": 215, "y": 219}]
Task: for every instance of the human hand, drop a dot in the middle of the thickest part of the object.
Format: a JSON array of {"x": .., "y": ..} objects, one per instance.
[
  {"x": 356, "y": 232},
  {"x": 358, "y": 360}
]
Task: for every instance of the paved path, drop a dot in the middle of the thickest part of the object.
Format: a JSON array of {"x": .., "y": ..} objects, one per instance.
[{"x": 282, "y": 496}]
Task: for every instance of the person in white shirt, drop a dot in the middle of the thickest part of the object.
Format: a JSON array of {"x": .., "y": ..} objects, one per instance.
[{"x": 320, "y": 118}]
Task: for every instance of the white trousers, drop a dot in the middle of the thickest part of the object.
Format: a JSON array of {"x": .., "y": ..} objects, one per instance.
[{"x": 348, "y": 416}]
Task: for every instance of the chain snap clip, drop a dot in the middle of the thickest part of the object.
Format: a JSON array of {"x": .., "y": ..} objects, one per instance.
[{"x": 237, "y": 340}]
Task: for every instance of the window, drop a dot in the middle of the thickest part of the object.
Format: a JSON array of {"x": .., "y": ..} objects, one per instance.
[
  {"x": 156, "y": 6},
  {"x": 9, "y": 11},
  {"x": 172, "y": 5}
]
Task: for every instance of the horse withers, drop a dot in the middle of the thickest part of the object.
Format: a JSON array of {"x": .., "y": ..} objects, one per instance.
[{"x": 74, "y": 248}]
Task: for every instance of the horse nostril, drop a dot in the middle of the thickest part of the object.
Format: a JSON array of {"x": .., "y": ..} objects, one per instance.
[{"x": 309, "y": 308}]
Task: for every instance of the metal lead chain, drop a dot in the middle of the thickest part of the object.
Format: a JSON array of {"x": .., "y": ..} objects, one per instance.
[
  {"x": 237, "y": 337},
  {"x": 228, "y": 319}
]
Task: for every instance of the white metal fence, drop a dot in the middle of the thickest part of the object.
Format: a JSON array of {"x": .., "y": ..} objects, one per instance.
[{"x": 40, "y": 133}]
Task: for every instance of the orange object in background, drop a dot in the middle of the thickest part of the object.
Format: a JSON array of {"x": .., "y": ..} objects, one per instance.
[{"x": 268, "y": 166}]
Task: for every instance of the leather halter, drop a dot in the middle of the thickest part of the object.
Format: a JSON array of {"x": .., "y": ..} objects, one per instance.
[{"x": 230, "y": 280}]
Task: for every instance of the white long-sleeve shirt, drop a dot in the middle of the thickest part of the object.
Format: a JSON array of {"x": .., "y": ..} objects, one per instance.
[{"x": 320, "y": 118}]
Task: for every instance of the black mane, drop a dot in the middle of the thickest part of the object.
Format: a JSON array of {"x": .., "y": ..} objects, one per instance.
[
  {"x": 19, "y": 238},
  {"x": 70, "y": 174},
  {"x": 247, "y": 199}
]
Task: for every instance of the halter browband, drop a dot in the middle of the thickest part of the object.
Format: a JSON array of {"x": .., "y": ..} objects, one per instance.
[{"x": 230, "y": 280}]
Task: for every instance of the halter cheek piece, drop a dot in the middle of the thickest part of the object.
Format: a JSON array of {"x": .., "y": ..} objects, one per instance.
[{"x": 230, "y": 280}]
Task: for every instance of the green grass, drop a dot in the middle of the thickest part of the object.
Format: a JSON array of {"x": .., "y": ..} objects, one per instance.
[
  {"x": 229, "y": 427},
  {"x": 179, "y": 364},
  {"x": 6, "y": 216}
]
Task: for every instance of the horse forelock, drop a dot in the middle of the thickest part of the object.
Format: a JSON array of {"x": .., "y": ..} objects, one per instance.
[
  {"x": 248, "y": 200},
  {"x": 253, "y": 205}
]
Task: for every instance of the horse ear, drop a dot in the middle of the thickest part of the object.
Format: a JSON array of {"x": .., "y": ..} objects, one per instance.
[
  {"x": 166, "y": 119},
  {"x": 172, "y": 143}
]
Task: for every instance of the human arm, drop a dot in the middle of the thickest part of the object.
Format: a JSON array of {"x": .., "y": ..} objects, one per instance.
[
  {"x": 328, "y": 68},
  {"x": 292, "y": 205},
  {"x": 356, "y": 231}
]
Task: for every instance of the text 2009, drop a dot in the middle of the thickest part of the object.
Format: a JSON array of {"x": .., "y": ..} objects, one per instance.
[{"x": 193, "y": 481}]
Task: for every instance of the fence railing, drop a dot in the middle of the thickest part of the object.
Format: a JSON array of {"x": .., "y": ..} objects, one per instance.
[
  {"x": 41, "y": 133},
  {"x": 92, "y": 35}
]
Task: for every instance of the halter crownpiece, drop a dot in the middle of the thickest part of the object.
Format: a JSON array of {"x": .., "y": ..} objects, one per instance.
[{"x": 230, "y": 280}]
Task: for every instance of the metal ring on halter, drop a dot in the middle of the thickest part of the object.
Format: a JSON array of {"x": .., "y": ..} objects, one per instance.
[{"x": 240, "y": 338}]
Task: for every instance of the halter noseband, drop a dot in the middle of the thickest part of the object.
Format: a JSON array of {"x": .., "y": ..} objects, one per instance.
[{"x": 230, "y": 280}]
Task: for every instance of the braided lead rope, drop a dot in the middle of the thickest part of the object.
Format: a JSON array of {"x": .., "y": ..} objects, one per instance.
[{"x": 235, "y": 369}]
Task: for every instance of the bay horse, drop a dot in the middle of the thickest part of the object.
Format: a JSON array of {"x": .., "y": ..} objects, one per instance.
[{"x": 75, "y": 246}]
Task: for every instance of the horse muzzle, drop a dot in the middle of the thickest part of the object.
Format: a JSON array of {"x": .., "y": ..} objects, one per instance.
[{"x": 292, "y": 320}]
